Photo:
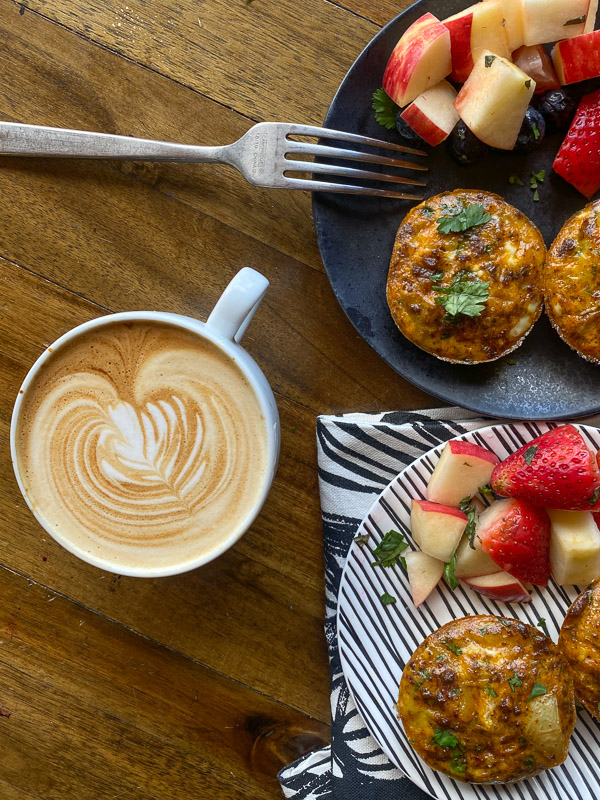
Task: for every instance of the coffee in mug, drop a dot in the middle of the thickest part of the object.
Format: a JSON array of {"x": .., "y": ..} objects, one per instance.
[{"x": 143, "y": 445}]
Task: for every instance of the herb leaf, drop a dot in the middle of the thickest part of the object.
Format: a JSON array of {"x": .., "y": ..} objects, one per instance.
[
  {"x": 542, "y": 624},
  {"x": 489, "y": 60},
  {"x": 361, "y": 541},
  {"x": 514, "y": 179},
  {"x": 444, "y": 738},
  {"x": 538, "y": 690},
  {"x": 385, "y": 109},
  {"x": 454, "y": 648},
  {"x": 449, "y": 573},
  {"x": 471, "y": 511},
  {"x": 487, "y": 489},
  {"x": 575, "y": 21},
  {"x": 466, "y": 294},
  {"x": 470, "y": 216},
  {"x": 387, "y": 599},
  {"x": 489, "y": 690},
  {"x": 536, "y": 132},
  {"x": 514, "y": 682},
  {"x": 389, "y": 550},
  {"x": 595, "y": 496},
  {"x": 529, "y": 454}
]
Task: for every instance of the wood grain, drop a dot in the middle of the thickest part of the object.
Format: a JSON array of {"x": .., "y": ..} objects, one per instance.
[{"x": 127, "y": 716}]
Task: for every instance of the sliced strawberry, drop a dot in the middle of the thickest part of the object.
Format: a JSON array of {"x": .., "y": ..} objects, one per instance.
[
  {"x": 516, "y": 535},
  {"x": 556, "y": 470},
  {"x": 578, "y": 160}
]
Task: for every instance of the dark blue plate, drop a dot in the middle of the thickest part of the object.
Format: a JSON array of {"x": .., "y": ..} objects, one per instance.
[{"x": 356, "y": 235}]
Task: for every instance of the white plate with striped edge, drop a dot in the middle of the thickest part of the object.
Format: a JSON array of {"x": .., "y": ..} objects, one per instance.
[{"x": 376, "y": 641}]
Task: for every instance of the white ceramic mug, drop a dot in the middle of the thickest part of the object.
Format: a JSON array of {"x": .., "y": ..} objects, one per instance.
[{"x": 224, "y": 328}]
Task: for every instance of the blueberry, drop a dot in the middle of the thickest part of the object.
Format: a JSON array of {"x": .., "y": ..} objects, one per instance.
[
  {"x": 558, "y": 109},
  {"x": 464, "y": 146},
  {"x": 406, "y": 133},
  {"x": 532, "y": 131}
]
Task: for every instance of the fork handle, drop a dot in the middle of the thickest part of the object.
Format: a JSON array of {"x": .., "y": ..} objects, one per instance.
[{"x": 17, "y": 139}]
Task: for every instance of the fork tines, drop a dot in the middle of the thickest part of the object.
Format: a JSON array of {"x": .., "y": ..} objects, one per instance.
[{"x": 295, "y": 147}]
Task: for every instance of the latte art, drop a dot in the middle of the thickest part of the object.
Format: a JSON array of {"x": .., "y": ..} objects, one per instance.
[{"x": 142, "y": 443}]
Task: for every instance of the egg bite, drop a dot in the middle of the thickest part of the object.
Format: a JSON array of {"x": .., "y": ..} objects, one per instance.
[
  {"x": 572, "y": 282},
  {"x": 500, "y": 260},
  {"x": 580, "y": 642},
  {"x": 486, "y": 699}
]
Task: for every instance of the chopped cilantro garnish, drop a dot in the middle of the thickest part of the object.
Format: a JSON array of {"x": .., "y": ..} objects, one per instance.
[
  {"x": 454, "y": 648},
  {"x": 486, "y": 489},
  {"x": 489, "y": 690},
  {"x": 514, "y": 682},
  {"x": 385, "y": 109},
  {"x": 536, "y": 196},
  {"x": 469, "y": 216},
  {"x": 538, "y": 690},
  {"x": 543, "y": 626},
  {"x": 387, "y": 599},
  {"x": 506, "y": 622},
  {"x": 466, "y": 294},
  {"x": 536, "y": 132},
  {"x": 362, "y": 540},
  {"x": 444, "y": 738},
  {"x": 388, "y": 551},
  {"x": 515, "y": 180},
  {"x": 440, "y": 658}
]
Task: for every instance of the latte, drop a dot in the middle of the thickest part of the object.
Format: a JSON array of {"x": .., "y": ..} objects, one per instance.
[{"x": 143, "y": 444}]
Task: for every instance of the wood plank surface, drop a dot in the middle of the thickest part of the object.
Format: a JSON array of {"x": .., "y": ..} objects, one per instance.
[{"x": 203, "y": 684}]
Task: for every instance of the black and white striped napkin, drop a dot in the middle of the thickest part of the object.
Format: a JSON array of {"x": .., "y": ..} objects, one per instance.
[{"x": 358, "y": 455}]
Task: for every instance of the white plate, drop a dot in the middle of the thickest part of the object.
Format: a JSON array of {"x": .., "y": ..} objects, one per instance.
[{"x": 376, "y": 641}]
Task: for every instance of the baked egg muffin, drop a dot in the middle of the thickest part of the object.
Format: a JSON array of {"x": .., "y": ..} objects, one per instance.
[
  {"x": 580, "y": 642},
  {"x": 488, "y": 700},
  {"x": 465, "y": 277},
  {"x": 572, "y": 282}
]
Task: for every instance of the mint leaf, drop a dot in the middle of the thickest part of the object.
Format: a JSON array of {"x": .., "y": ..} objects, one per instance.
[
  {"x": 449, "y": 573},
  {"x": 538, "y": 690},
  {"x": 470, "y": 216},
  {"x": 530, "y": 453},
  {"x": 489, "y": 60},
  {"x": 575, "y": 21},
  {"x": 471, "y": 511},
  {"x": 385, "y": 109},
  {"x": 389, "y": 550},
  {"x": 466, "y": 294},
  {"x": 387, "y": 599}
]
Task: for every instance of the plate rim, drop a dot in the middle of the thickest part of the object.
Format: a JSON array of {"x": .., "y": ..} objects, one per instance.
[{"x": 461, "y": 437}]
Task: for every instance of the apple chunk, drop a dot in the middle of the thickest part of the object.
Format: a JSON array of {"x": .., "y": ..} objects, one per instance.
[
  {"x": 499, "y": 586},
  {"x": 479, "y": 27},
  {"x": 472, "y": 562},
  {"x": 462, "y": 468},
  {"x": 512, "y": 13},
  {"x": 493, "y": 101},
  {"x": 436, "y": 528},
  {"x": 421, "y": 59},
  {"x": 577, "y": 59},
  {"x": 574, "y": 547},
  {"x": 424, "y": 574},
  {"x": 536, "y": 63},
  {"x": 550, "y": 20},
  {"x": 432, "y": 115}
]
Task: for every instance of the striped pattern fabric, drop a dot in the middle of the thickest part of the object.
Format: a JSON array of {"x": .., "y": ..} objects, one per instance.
[{"x": 359, "y": 455}]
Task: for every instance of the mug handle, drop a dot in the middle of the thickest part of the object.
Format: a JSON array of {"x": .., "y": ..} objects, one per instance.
[{"x": 236, "y": 306}]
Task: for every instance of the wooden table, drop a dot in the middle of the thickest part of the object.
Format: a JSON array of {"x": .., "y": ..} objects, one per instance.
[{"x": 202, "y": 685}]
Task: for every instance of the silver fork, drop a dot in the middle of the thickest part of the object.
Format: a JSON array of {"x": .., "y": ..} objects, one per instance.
[{"x": 261, "y": 154}]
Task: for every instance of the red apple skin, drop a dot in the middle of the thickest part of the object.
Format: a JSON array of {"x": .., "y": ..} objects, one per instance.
[
  {"x": 421, "y": 124},
  {"x": 438, "y": 508},
  {"x": 535, "y": 61},
  {"x": 577, "y": 59},
  {"x": 407, "y": 54},
  {"x": 460, "y": 46},
  {"x": 511, "y": 592},
  {"x": 459, "y": 447}
]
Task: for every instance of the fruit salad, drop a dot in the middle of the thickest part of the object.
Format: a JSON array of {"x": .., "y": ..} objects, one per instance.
[
  {"x": 541, "y": 520},
  {"x": 490, "y": 77}
]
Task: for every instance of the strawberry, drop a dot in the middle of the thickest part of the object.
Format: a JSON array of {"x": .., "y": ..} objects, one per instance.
[
  {"x": 516, "y": 535},
  {"x": 578, "y": 160},
  {"x": 556, "y": 470}
]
